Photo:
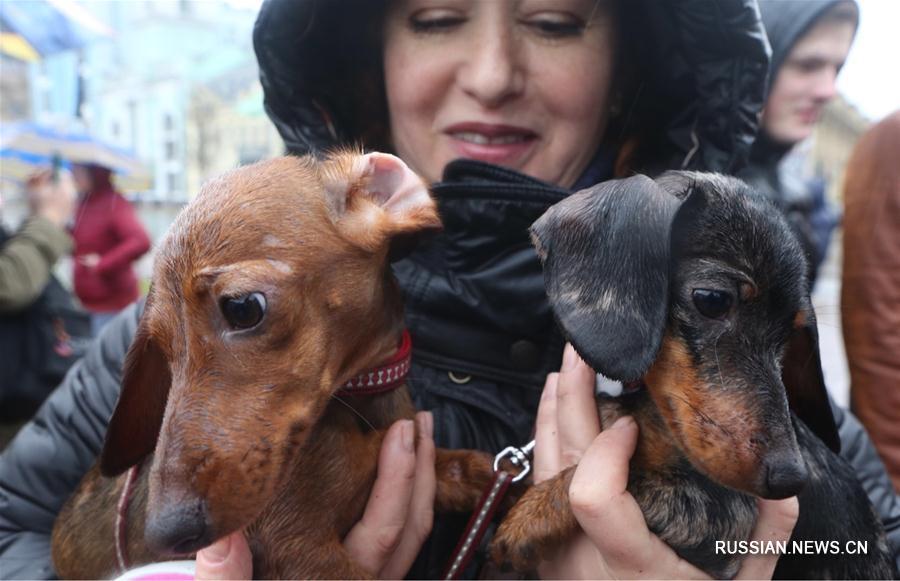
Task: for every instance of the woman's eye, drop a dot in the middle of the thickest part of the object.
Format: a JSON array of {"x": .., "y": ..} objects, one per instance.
[
  {"x": 244, "y": 312},
  {"x": 434, "y": 21},
  {"x": 557, "y": 27},
  {"x": 714, "y": 304}
]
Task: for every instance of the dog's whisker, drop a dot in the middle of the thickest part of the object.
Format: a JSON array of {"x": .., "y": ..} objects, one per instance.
[
  {"x": 352, "y": 409},
  {"x": 718, "y": 365}
]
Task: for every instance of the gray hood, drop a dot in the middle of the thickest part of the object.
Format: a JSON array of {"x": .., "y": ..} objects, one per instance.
[{"x": 786, "y": 21}]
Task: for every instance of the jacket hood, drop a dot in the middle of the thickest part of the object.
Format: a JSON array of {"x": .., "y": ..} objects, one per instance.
[
  {"x": 700, "y": 77},
  {"x": 786, "y": 21}
]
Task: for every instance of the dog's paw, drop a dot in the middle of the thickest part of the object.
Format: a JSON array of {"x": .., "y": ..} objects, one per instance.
[
  {"x": 537, "y": 525},
  {"x": 513, "y": 544},
  {"x": 462, "y": 477}
]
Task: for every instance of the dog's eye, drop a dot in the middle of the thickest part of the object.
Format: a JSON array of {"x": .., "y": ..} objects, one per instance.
[
  {"x": 714, "y": 304},
  {"x": 245, "y": 311}
]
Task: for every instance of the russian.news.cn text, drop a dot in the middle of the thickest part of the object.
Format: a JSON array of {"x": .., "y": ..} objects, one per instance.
[{"x": 809, "y": 547}]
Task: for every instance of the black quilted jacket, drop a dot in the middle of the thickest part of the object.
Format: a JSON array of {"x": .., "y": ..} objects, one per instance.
[{"x": 483, "y": 335}]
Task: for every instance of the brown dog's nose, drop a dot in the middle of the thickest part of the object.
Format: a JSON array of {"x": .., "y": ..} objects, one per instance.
[
  {"x": 786, "y": 475},
  {"x": 179, "y": 528}
]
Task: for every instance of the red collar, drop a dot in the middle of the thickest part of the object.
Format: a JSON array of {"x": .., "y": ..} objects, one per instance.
[{"x": 389, "y": 375}]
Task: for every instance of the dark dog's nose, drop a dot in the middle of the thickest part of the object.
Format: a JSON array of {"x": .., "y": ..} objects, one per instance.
[
  {"x": 179, "y": 528},
  {"x": 785, "y": 476}
]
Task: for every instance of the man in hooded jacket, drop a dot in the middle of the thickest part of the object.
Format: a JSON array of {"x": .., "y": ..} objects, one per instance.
[
  {"x": 810, "y": 40},
  {"x": 484, "y": 338}
]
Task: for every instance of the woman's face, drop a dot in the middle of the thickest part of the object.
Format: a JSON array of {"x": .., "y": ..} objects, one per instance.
[
  {"x": 518, "y": 83},
  {"x": 82, "y": 176}
]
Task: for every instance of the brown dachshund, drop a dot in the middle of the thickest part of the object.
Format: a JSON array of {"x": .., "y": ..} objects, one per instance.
[
  {"x": 690, "y": 291},
  {"x": 254, "y": 375}
]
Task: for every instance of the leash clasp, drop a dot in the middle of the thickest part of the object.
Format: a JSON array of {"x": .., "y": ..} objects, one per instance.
[{"x": 517, "y": 457}]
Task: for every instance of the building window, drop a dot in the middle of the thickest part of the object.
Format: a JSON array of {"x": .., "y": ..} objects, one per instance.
[
  {"x": 168, "y": 123},
  {"x": 170, "y": 150},
  {"x": 171, "y": 182}
]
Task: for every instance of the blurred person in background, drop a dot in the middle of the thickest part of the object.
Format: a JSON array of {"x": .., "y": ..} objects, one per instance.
[
  {"x": 810, "y": 41},
  {"x": 41, "y": 331},
  {"x": 28, "y": 256},
  {"x": 108, "y": 239},
  {"x": 870, "y": 289}
]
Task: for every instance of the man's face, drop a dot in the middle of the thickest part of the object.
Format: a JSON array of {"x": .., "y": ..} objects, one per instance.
[{"x": 806, "y": 81}]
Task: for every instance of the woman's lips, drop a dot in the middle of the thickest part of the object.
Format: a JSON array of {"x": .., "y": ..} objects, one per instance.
[{"x": 492, "y": 143}]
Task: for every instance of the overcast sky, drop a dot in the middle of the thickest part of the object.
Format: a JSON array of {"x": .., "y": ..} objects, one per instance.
[{"x": 871, "y": 78}]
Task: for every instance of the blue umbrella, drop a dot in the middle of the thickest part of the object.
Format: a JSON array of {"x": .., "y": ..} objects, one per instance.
[
  {"x": 43, "y": 26},
  {"x": 27, "y": 147}
]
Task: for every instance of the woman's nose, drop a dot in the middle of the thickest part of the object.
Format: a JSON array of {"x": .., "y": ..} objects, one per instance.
[{"x": 494, "y": 72}]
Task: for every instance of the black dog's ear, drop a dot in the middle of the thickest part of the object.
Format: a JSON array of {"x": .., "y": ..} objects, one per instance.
[
  {"x": 605, "y": 252},
  {"x": 136, "y": 421},
  {"x": 802, "y": 376}
]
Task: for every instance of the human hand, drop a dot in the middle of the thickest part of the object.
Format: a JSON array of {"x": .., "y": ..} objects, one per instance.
[
  {"x": 89, "y": 260},
  {"x": 396, "y": 521},
  {"x": 227, "y": 558},
  {"x": 615, "y": 542},
  {"x": 51, "y": 199}
]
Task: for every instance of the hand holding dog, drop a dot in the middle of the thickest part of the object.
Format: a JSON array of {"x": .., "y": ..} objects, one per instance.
[
  {"x": 616, "y": 543},
  {"x": 397, "y": 519}
]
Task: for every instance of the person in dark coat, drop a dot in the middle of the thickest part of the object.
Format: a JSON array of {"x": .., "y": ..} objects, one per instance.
[
  {"x": 684, "y": 92},
  {"x": 810, "y": 42},
  {"x": 27, "y": 259}
]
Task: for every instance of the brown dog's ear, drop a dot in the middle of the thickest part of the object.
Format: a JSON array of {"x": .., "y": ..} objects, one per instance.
[
  {"x": 802, "y": 376},
  {"x": 136, "y": 421},
  {"x": 605, "y": 252},
  {"x": 400, "y": 192},
  {"x": 380, "y": 198}
]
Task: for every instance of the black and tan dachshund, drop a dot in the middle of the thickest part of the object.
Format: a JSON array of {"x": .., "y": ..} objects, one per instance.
[{"x": 691, "y": 290}]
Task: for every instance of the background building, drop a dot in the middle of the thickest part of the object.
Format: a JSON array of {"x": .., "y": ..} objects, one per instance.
[
  {"x": 837, "y": 133},
  {"x": 170, "y": 71},
  {"x": 175, "y": 82}
]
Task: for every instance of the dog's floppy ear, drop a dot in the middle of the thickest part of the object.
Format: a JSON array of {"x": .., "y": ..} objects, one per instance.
[
  {"x": 135, "y": 423},
  {"x": 383, "y": 199},
  {"x": 804, "y": 382},
  {"x": 605, "y": 253}
]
